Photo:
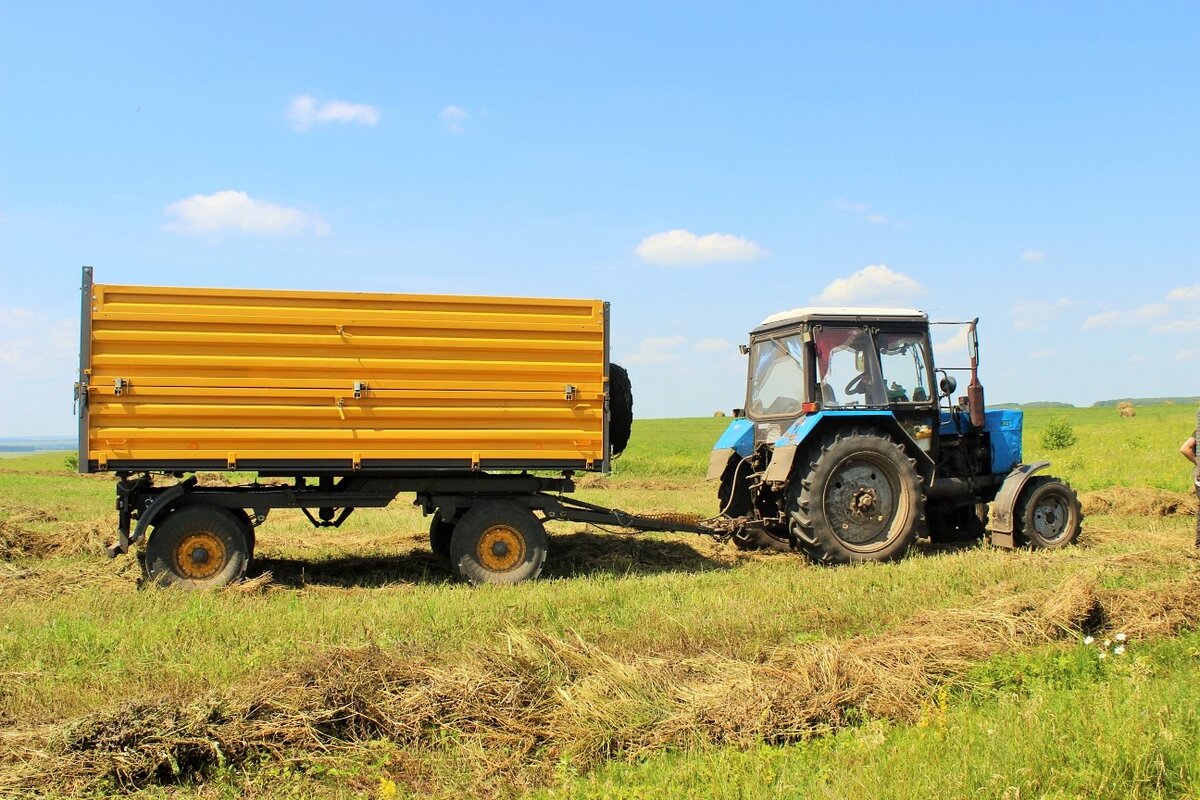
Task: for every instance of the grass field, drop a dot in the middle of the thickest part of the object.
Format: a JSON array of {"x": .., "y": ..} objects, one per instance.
[{"x": 637, "y": 666}]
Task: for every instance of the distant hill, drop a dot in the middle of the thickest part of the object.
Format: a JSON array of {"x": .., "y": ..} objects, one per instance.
[
  {"x": 1149, "y": 401},
  {"x": 33, "y": 444},
  {"x": 1034, "y": 404}
]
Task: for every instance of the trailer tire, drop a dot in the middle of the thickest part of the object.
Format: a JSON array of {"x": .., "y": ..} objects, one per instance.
[
  {"x": 440, "y": 533},
  {"x": 1048, "y": 515},
  {"x": 859, "y": 499},
  {"x": 198, "y": 547},
  {"x": 620, "y": 408},
  {"x": 498, "y": 542}
]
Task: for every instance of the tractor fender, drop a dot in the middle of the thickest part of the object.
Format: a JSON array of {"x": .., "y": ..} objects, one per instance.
[
  {"x": 737, "y": 440},
  {"x": 1006, "y": 499},
  {"x": 787, "y": 446}
]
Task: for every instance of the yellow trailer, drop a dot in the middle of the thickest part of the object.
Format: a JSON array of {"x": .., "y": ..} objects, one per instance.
[
  {"x": 186, "y": 379},
  {"x": 351, "y": 398}
]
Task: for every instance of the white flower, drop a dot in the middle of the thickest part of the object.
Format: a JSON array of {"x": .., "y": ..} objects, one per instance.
[
  {"x": 1120, "y": 637},
  {"x": 1118, "y": 650},
  {"x": 1103, "y": 654},
  {"x": 1089, "y": 639},
  {"x": 1108, "y": 642}
]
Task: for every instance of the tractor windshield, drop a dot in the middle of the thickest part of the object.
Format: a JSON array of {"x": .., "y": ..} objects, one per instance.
[{"x": 777, "y": 377}]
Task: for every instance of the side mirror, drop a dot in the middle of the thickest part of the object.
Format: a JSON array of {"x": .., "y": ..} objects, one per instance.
[
  {"x": 739, "y": 413},
  {"x": 948, "y": 384},
  {"x": 744, "y": 349}
]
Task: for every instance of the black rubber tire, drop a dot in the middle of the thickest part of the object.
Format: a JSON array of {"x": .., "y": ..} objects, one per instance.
[
  {"x": 440, "y": 533},
  {"x": 498, "y": 542},
  {"x": 620, "y": 408},
  {"x": 173, "y": 553},
  {"x": 1048, "y": 515},
  {"x": 863, "y": 467},
  {"x": 957, "y": 523}
]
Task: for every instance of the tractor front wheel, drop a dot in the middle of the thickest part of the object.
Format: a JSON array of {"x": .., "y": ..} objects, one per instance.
[
  {"x": 858, "y": 499},
  {"x": 1048, "y": 516}
]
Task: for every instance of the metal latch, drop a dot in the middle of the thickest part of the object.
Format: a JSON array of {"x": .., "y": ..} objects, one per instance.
[
  {"x": 119, "y": 386},
  {"x": 360, "y": 387},
  {"x": 569, "y": 392}
]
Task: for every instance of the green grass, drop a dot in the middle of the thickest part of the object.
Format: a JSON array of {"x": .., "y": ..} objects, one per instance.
[{"x": 78, "y": 636}]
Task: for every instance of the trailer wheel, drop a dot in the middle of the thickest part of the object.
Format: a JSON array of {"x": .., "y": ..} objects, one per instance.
[
  {"x": 198, "y": 547},
  {"x": 1048, "y": 516},
  {"x": 859, "y": 499},
  {"x": 440, "y": 532},
  {"x": 620, "y": 408},
  {"x": 498, "y": 543}
]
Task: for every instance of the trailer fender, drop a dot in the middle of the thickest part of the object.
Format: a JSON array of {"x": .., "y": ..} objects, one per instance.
[
  {"x": 160, "y": 505},
  {"x": 1006, "y": 502}
]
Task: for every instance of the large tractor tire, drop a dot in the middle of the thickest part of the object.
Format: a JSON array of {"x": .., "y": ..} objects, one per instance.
[
  {"x": 620, "y": 408},
  {"x": 1048, "y": 516},
  {"x": 498, "y": 542},
  {"x": 198, "y": 547},
  {"x": 859, "y": 499}
]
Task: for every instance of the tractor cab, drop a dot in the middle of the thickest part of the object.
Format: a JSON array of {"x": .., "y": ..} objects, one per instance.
[{"x": 811, "y": 360}]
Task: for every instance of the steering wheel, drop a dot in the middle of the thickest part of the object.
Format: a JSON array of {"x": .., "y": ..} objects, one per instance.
[{"x": 857, "y": 384}]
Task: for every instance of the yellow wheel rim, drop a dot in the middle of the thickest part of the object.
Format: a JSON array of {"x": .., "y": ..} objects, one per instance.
[
  {"x": 200, "y": 556},
  {"x": 501, "y": 548}
]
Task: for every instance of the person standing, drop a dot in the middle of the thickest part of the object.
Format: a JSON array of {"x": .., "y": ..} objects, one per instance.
[{"x": 1189, "y": 452}]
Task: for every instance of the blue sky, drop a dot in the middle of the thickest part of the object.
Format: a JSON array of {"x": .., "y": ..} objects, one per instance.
[{"x": 700, "y": 166}]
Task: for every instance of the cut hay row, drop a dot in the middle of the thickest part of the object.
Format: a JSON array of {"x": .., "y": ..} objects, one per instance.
[{"x": 513, "y": 711}]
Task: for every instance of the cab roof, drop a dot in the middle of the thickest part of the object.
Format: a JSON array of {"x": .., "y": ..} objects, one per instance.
[{"x": 843, "y": 314}]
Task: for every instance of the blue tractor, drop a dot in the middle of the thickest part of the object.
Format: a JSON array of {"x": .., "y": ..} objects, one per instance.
[{"x": 852, "y": 444}]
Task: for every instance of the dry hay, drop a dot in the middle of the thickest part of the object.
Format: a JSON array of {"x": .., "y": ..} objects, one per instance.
[
  {"x": 1125, "y": 409},
  {"x": 1139, "y": 501},
  {"x": 67, "y": 538},
  {"x": 510, "y": 713}
]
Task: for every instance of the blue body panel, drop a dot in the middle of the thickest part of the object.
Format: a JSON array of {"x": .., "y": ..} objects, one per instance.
[
  {"x": 802, "y": 427},
  {"x": 739, "y": 437},
  {"x": 1005, "y": 426}
]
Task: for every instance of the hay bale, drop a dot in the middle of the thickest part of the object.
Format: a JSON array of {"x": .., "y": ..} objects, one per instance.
[{"x": 718, "y": 413}]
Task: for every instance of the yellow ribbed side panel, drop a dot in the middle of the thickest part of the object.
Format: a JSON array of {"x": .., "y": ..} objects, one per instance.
[{"x": 265, "y": 379}]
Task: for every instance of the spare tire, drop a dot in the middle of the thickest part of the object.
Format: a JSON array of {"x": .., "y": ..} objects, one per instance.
[{"x": 620, "y": 408}]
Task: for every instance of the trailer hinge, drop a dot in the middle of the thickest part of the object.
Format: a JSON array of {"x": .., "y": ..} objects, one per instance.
[
  {"x": 119, "y": 386},
  {"x": 360, "y": 388},
  {"x": 474, "y": 462},
  {"x": 81, "y": 397},
  {"x": 231, "y": 460},
  {"x": 569, "y": 392},
  {"x": 102, "y": 462},
  {"x": 356, "y": 461}
]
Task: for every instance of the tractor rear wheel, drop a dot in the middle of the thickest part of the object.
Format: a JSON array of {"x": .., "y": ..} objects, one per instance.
[
  {"x": 198, "y": 547},
  {"x": 1048, "y": 516},
  {"x": 859, "y": 499},
  {"x": 498, "y": 542}
]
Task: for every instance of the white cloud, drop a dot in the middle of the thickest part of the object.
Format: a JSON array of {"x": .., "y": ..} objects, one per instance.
[
  {"x": 954, "y": 343},
  {"x": 655, "y": 350},
  {"x": 862, "y": 210},
  {"x": 231, "y": 210},
  {"x": 1184, "y": 293},
  {"x": 712, "y": 346},
  {"x": 876, "y": 284},
  {"x": 1178, "y": 326},
  {"x": 1188, "y": 355},
  {"x": 306, "y": 110},
  {"x": 1029, "y": 314},
  {"x": 1139, "y": 315},
  {"x": 1033, "y": 256},
  {"x": 32, "y": 346},
  {"x": 684, "y": 247},
  {"x": 453, "y": 118}
]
